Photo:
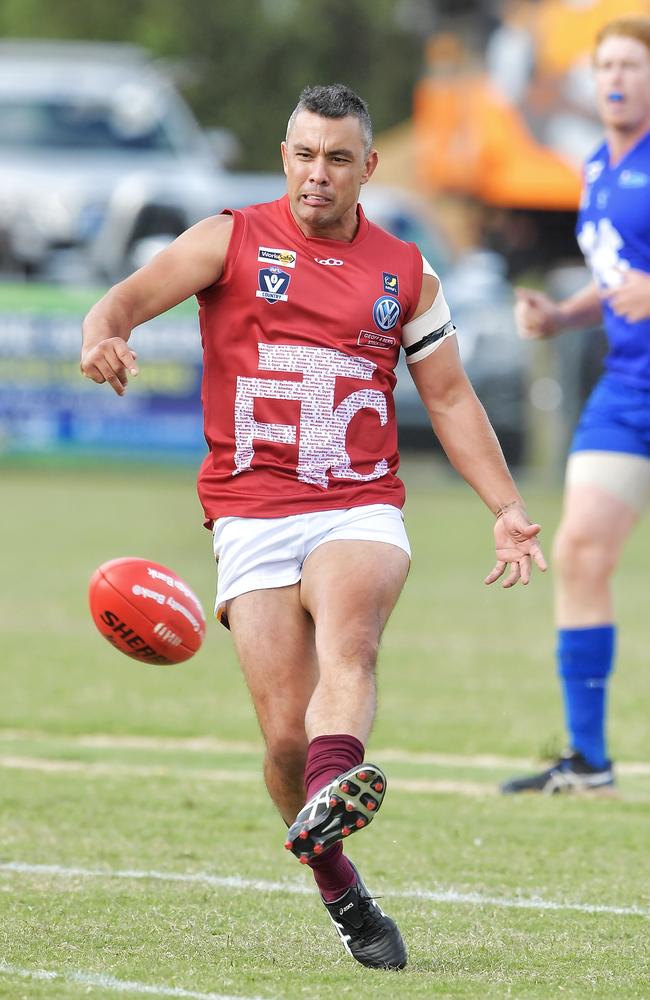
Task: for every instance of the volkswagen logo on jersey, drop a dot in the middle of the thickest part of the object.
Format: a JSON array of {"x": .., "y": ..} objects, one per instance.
[
  {"x": 273, "y": 282},
  {"x": 386, "y": 312}
]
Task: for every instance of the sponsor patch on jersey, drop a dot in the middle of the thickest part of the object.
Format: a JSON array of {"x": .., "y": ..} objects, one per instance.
[
  {"x": 329, "y": 261},
  {"x": 593, "y": 171},
  {"x": 386, "y": 312},
  {"x": 273, "y": 282},
  {"x": 633, "y": 179},
  {"x": 367, "y": 338},
  {"x": 391, "y": 285},
  {"x": 271, "y": 255}
]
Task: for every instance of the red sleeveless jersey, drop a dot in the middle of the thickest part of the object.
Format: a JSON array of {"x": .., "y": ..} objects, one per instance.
[{"x": 301, "y": 337}]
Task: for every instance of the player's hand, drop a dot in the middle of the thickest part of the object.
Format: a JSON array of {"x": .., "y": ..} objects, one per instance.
[
  {"x": 536, "y": 315},
  {"x": 631, "y": 299},
  {"x": 516, "y": 544},
  {"x": 111, "y": 361}
]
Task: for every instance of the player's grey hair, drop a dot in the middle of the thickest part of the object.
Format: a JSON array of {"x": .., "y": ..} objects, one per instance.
[{"x": 334, "y": 100}]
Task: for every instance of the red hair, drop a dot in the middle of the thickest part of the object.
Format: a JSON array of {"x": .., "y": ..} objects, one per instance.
[{"x": 626, "y": 27}]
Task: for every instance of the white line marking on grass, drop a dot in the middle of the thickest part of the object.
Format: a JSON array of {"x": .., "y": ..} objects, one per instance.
[
  {"x": 110, "y": 983},
  {"x": 197, "y": 744},
  {"x": 443, "y": 786},
  {"x": 521, "y": 902},
  {"x": 294, "y": 888},
  {"x": 100, "y": 769},
  {"x": 209, "y": 744},
  {"x": 199, "y": 878}
]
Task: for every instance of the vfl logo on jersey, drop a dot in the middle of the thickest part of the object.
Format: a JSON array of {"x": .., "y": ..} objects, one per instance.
[
  {"x": 329, "y": 261},
  {"x": 270, "y": 255},
  {"x": 273, "y": 282},
  {"x": 633, "y": 179},
  {"x": 386, "y": 312},
  {"x": 390, "y": 283},
  {"x": 593, "y": 171}
]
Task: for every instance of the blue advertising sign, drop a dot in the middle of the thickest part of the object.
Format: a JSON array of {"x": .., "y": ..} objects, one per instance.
[{"x": 46, "y": 406}]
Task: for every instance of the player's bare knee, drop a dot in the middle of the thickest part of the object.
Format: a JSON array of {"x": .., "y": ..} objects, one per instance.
[
  {"x": 579, "y": 554},
  {"x": 358, "y": 651}
]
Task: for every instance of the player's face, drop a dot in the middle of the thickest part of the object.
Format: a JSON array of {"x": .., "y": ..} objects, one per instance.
[
  {"x": 326, "y": 164},
  {"x": 622, "y": 68}
]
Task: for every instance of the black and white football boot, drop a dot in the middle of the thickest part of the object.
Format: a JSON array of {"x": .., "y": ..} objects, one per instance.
[
  {"x": 345, "y": 805},
  {"x": 366, "y": 932},
  {"x": 571, "y": 773}
]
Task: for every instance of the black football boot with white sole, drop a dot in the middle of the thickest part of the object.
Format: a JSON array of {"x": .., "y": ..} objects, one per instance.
[
  {"x": 366, "y": 932},
  {"x": 570, "y": 774},
  {"x": 345, "y": 805}
]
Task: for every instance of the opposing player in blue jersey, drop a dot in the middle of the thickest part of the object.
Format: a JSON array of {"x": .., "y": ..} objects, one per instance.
[{"x": 608, "y": 471}]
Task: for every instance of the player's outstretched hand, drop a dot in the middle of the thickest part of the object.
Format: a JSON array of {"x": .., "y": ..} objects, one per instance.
[
  {"x": 516, "y": 544},
  {"x": 111, "y": 361}
]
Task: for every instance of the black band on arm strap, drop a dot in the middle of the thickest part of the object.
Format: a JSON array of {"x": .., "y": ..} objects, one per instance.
[{"x": 429, "y": 339}]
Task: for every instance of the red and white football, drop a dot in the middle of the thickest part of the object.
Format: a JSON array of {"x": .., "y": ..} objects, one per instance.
[{"x": 146, "y": 611}]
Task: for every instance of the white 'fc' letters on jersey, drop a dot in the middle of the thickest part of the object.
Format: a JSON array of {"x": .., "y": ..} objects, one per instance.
[{"x": 322, "y": 427}]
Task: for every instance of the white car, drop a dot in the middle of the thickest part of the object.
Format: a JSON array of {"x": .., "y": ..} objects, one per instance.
[{"x": 81, "y": 121}]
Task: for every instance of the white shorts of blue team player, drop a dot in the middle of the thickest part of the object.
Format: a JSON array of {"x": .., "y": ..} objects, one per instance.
[{"x": 264, "y": 553}]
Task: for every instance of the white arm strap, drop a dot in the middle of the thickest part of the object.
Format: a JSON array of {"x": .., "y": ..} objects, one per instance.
[{"x": 422, "y": 336}]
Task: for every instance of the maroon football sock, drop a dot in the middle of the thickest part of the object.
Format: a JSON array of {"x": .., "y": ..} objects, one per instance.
[{"x": 328, "y": 756}]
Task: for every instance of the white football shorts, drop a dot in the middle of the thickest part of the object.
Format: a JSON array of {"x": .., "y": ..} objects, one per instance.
[{"x": 259, "y": 553}]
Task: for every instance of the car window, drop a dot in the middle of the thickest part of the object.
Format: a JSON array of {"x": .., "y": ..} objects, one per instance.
[{"x": 54, "y": 124}]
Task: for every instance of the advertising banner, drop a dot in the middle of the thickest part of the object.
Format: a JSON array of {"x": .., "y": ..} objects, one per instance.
[{"x": 47, "y": 407}]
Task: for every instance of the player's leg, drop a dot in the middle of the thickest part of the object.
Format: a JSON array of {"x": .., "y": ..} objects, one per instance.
[
  {"x": 607, "y": 488},
  {"x": 274, "y": 641},
  {"x": 259, "y": 561},
  {"x": 605, "y": 495},
  {"x": 350, "y": 588},
  {"x": 355, "y": 569}
]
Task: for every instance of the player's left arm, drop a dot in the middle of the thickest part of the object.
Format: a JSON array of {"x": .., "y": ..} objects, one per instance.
[
  {"x": 631, "y": 299},
  {"x": 465, "y": 433}
]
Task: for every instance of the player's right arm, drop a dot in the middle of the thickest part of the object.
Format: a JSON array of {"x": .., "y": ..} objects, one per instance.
[
  {"x": 537, "y": 316},
  {"x": 191, "y": 263}
]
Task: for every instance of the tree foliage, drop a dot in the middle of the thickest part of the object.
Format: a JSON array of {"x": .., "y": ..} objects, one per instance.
[{"x": 245, "y": 61}]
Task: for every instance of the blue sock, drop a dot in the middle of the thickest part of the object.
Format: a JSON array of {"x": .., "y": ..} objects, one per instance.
[{"x": 585, "y": 660}]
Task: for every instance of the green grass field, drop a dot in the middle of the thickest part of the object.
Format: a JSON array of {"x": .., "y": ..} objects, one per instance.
[{"x": 139, "y": 854}]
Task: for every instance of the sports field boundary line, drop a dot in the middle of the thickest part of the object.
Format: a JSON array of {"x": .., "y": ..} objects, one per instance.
[
  {"x": 238, "y": 883},
  {"x": 106, "y": 982},
  {"x": 210, "y": 744}
]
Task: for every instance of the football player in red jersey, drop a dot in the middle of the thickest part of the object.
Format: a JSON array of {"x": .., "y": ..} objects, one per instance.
[{"x": 304, "y": 307}]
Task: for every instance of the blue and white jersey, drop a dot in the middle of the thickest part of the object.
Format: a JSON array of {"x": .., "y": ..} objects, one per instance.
[{"x": 613, "y": 231}]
